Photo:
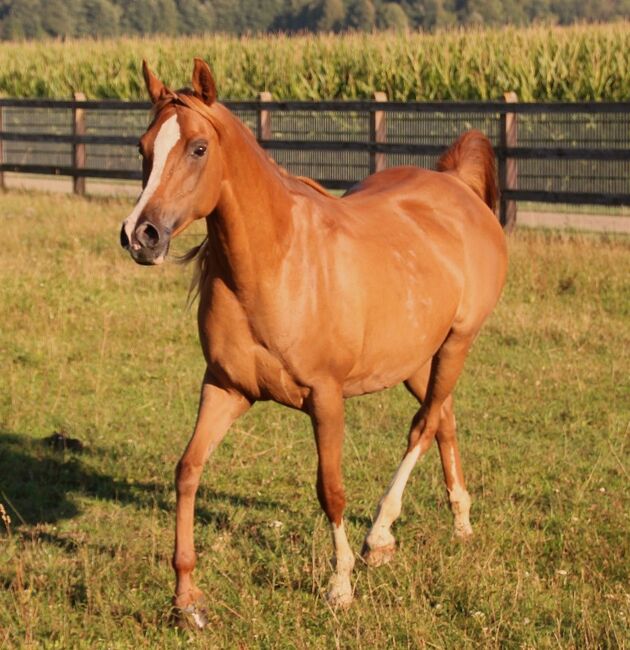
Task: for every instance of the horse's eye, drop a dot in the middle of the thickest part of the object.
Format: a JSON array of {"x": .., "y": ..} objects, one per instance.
[{"x": 199, "y": 150}]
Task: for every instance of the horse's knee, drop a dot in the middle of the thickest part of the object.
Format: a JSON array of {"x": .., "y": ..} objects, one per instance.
[
  {"x": 332, "y": 500},
  {"x": 187, "y": 476}
]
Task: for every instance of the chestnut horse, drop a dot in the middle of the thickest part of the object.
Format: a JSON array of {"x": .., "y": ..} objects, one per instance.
[{"x": 307, "y": 299}]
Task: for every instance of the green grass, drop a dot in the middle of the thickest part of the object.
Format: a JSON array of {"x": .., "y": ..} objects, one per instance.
[{"x": 106, "y": 351}]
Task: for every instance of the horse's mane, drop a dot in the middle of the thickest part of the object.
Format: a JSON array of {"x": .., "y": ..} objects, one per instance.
[
  {"x": 313, "y": 184},
  {"x": 199, "y": 253}
]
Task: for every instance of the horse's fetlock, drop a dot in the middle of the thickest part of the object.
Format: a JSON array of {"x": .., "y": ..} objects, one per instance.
[{"x": 184, "y": 561}]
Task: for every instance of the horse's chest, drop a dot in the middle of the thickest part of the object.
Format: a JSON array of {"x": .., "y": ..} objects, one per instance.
[{"x": 235, "y": 355}]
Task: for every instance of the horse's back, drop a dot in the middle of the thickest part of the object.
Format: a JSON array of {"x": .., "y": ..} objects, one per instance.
[{"x": 451, "y": 227}]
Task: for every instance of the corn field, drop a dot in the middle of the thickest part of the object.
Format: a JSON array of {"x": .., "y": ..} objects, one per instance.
[{"x": 579, "y": 63}]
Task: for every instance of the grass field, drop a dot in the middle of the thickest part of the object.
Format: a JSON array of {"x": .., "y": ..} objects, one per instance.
[
  {"x": 105, "y": 351},
  {"x": 582, "y": 62}
]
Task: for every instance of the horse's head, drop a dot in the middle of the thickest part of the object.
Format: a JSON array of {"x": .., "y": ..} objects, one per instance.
[{"x": 181, "y": 166}]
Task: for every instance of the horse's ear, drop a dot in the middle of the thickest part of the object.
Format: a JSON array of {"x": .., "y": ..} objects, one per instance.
[
  {"x": 203, "y": 82},
  {"x": 155, "y": 87}
]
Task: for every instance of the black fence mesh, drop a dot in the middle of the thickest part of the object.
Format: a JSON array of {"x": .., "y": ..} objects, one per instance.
[
  {"x": 574, "y": 131},
  {"x": 53, "y": 121},
  {"x": 437, "y": 128},
  {"x": 567, "y": 130},
  {"x": 114, "y": 122}
]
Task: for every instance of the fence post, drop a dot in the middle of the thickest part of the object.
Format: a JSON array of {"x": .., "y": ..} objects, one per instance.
[
  {"x": 378, "y": 134},
  {"x": 2, "y": 184},
  {"x": 78, "y": 149},
  {"x": 508, "y": 169},
  {"x": 264, "y": 118}
]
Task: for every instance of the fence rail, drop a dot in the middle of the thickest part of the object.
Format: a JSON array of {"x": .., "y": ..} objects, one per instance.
[{"x": 577, "y": 153}]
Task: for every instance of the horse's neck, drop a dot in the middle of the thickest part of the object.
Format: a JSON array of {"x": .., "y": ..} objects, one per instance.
[{"x": 253, "y": 220}]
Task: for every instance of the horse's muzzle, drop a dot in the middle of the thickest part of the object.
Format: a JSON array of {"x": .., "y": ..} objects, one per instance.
[{"x": 148, "y": 246}]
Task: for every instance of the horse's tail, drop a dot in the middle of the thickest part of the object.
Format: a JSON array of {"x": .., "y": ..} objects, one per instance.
[{"x": 472, "y": 159}]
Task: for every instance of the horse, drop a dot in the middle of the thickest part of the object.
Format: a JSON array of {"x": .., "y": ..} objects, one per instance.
[{"x": 308, "y": 299}]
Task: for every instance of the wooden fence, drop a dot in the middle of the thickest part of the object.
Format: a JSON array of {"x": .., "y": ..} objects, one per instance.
[{"x": 570, "y": 153}]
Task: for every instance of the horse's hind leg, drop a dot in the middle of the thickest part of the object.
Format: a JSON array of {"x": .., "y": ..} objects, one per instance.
[
  {"x": 379, "y": 545},
  {"x": 453, "y": 475},
  {"x": 435, "y": 418},
  {"x": 446, "y": 437}
]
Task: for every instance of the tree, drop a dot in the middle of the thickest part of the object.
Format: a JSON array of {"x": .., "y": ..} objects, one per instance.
[
  {"x": 57, "y": 20},
  {"x": 431, "y": 14},
  {"x": 31, "y": 19},
  {"x": 166, "y": 19},
  {"x": 484, "y": 12},
  {"x": 226, "y": 14},
  {"x": 138, "y": 17},
  {"x": 361, "y": 15},
  {"x": 328, "y": 15},
  {"x": 439, "y": 14},
  {"x": 195, "y": 17},
  {"x": 98, "y": 18},
  {"x": 23, "y": 20},
  {"x": 392, "y": 16}
]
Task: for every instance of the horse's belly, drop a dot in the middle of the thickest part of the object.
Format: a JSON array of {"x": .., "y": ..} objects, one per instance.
[
  {"x": 392, "y": 359},
  {"x": 378, "y": 379}
]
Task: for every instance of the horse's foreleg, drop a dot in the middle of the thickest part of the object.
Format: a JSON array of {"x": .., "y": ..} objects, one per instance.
[
  {"x": 218, "y": 408},
  {"x": 434, "y": 417},
  {"x": 327, "y": 413}
]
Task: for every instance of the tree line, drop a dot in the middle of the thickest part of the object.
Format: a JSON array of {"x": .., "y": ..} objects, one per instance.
[{"x": 32, "y": 19}]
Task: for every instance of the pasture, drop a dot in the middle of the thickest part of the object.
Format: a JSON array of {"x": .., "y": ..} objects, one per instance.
[{"x": 95, "y": 347}]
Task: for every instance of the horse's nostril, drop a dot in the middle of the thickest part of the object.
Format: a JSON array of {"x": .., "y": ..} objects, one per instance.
[
  {"x": 148, "y": 235},
  {"x": 124, "y": 240}
]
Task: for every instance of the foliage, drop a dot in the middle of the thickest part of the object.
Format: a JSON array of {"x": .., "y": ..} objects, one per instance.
[
  {"x": 105, "y": 351},
  {"x": 573, "y": 63},
  {"x": 392, "y": 16},
  {"x": 38, "y": 18}
]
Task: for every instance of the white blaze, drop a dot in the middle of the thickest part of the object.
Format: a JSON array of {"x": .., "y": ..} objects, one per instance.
[{"x": 166, "y": 139}]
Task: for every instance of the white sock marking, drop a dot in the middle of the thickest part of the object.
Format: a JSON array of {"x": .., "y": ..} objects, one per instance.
[
  {"x": 166, "y": 139},
  {"x": 390, "y": 506},
  {"x": 460, "y": 503},
  {"x": 344, "y": 557},
  {"x": 339, "y": 587}
]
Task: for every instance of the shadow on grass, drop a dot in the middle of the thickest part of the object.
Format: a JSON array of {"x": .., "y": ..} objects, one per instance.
[{"x": 40, "y": 485}]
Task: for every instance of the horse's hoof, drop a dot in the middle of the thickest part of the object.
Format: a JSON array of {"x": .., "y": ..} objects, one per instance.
[
  {"x": 376, "y": 557},
  {"x": 463, "y": 531},
  {"x": 339, "y": 594},
  {"x": 193, "y": 616}
]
